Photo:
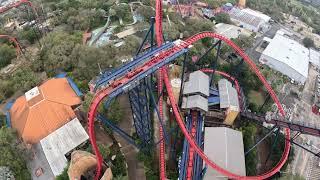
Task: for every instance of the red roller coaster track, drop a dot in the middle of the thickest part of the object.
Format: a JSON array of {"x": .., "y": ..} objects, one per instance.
[
  {"x": 14, "y": 40},
  {"x": 123, "y": 80},
  {"x": 164, "y": 74},
  {"x": 17, "y": 4},
  {"x": 159, "y": 39}
]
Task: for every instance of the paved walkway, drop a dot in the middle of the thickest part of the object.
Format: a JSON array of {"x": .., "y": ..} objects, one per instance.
[{"x": 135, "y": 168}]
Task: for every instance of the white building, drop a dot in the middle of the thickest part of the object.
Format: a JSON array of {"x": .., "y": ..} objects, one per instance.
[
  {"x": 249, "y": 19},
  {"x": 231, "y": 31},
  {"x": 288, "y": 57},
  {"x": 315, "y": 58}
]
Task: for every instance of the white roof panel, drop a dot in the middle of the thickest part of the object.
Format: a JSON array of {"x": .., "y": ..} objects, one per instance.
[
  {"x": 289, "y": 52},
  {"x": 62, "y": 141},
  {"x": 228, "y": 94},
  {"x": 198, "y": 83},
  {"x": 257, "y": 14},
  {"x": 315, "y": 57},
  {"x": 195, "y": 102}
]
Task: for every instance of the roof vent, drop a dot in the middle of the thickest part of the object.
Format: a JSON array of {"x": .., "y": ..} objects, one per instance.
[{"x": 32, "y": 93}]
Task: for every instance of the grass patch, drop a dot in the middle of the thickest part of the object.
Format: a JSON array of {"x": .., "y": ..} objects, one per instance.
[{"x": 256, "y": 97}]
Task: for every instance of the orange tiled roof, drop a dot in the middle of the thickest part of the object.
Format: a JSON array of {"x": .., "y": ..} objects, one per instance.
[{"x": 45, "y": 112}]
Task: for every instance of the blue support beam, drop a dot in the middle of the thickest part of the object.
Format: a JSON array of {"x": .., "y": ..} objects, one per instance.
[
  {"x": 139, "y": 101},
  {"x": 116, "y": 129},
  {"x": 199, "y": 139},
  {"x": 185, "y": 152}
]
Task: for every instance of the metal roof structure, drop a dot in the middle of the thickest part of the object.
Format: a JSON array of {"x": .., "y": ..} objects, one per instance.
[
  {"x": 258, "y": 14},
  {"x": 314, "y": 57},
  {"x": 195, "y": 102},
  {"x": 224, "y": 146},
  {"x": 245, "y": 17},
  {"x": 290, "y": 53},
  {"x": 231, "y": 31},
  {"x": 44, "y": 109},
  {"x": 198, "y": 83},
  {"x": 62, "y": 141},
  {"x": 228, "y": 95}
]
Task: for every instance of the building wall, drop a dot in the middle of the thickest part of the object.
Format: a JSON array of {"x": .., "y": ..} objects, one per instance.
[{"x": 283, "y": 68}]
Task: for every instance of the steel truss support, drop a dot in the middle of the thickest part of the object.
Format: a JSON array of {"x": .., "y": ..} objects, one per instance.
[
  {"x": 292, "y": 141},
  {"x": 207, "y": 52},
  {"x": 154, "y": 103},
  {"x": 185, "y": 152},
  {"x": 275, "y": 140},
  {"x": 151, "y": 32},
  {"x": 116, "y": 129},
  {"x": 139, "y": 101},
  {"x": 182, "y": 78},
  {"x": 198, "y": 162},
  {"x": 215, "y": 62},
  {"x": 268, "y": 134}
]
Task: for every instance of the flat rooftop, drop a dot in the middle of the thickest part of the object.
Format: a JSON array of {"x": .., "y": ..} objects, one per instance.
[
  {"x": 245, "y": 17},
  {"x": 289, "y": 52},
  {"x": 231, "y": 31},
  {"x": 224, "y": 146}
]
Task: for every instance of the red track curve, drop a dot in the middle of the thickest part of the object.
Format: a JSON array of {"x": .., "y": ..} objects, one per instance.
[
  {"x": 159, "y": 40},
  {"x": 105, "y": 92},
  {"x": 265, "y": 83},
  {"x": 14, "y": 40},
  {"x": 17, "y": 4}
]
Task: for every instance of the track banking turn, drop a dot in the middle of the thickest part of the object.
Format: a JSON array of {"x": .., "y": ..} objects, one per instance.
[{"x": 124, "y": 83}]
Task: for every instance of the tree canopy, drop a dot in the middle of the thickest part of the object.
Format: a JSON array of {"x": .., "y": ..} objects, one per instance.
[
  {"x": 12, "y": 155},
  {"x": 308, "y": 42},
  {"x": 7, "y": 53},
  {"x": 223, "y": 18}
]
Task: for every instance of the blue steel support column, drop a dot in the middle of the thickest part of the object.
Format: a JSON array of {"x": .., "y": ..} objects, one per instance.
[
  {"x": 139, "y": 101},
  {"x": 185, "y": 152},
  {"x": 197, "y": 169}
]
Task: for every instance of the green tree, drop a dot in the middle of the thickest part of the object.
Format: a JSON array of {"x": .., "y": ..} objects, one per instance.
[
  {"x": 122, "y": 10},
  {"x": 146, "y": 12},
  {"x": 223, "y": 18},
  {"x": 25, "y": 79},
  {"x": 115, "y": 112},
  {"x": 87, "y": 60},
  {"x": 6, "y": 89},
  {"x": 56, "y": 52},
  {"x": 249, "y": 131},
  {"x": 12, "y": 155},
  {"x": 28, "y": 34},
  {"x": 7, "y": 53},
  {"x": 308, "y": 42},
  {"x": 87, "y": 101},
  {"x": 87, "y": 18}
]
